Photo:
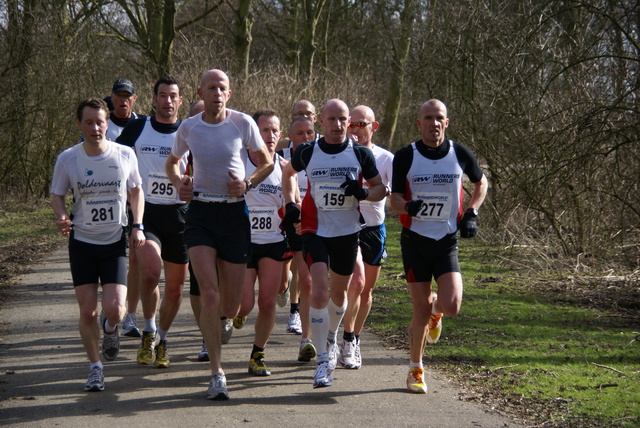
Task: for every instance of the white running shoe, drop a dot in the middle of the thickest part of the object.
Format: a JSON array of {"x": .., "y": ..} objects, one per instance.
[
  {"x": 218, "y": 387},
  {"x": 95, "y": 382},
  {"x": 226, "y": 330},
  {"x": 322, "y": 377},
  {"x": 204, "y": 354},
  {"x": 332, "y": 352},
  {"x": 358, "y": 356},
  {"x": 347, "y": 357},
  {"x": 130, "y": 326},
  {"x": 110, "y": 341},
  {"x": 295, "y": 324},
  {"x": 307, "y": 351}
]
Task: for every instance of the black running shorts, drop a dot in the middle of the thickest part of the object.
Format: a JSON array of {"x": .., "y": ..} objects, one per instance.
[
  {"x": 338, "y": 253},
  {"x": 425, "y": 258},
  {"x": 222, "y": 226},
  {"x": 164, "y": 225},
  {"x": 93, "y": 264}
]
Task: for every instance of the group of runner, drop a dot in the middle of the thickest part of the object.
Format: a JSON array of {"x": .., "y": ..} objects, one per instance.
[{"x": 213, "y": 195}]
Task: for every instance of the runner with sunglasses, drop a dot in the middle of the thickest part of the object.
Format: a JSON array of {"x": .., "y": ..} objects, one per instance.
[{"x": 372, "y": 251}]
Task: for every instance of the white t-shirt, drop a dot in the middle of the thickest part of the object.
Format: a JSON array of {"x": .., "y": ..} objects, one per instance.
[
  {"x": 373, "y": 212},
  {"x": 99, "y": 185},
  {"x": 217, "y": 149}
]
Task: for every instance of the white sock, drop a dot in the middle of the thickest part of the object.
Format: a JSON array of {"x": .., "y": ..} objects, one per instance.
[
  {"x": 108, "y": 328},
  {"x": 162, "y": 333},
  {"x": 413, "y": 365},
  {"x": 434, "y": 311},
  {"x": 94, "y": 365},
  {"x": 150, "y": 325},
  {"x": 336, "y": 313},
  {"x": 319, "y": 330}
]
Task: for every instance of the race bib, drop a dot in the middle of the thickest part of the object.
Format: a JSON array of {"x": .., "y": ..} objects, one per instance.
[
  {"x": 330, "y": 197},
  {"x": 435, "y": 206},
  {"x": 159, "y": 187},
  {"x": 101, "y": 211},
  {"x": 264, "y": 220}
]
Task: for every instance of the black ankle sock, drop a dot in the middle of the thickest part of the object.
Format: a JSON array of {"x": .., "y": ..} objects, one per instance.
[
  {"x": 256, "y": 349},
  {"x": 349, "y": 337},
  {"x": 295, "y": 307}
]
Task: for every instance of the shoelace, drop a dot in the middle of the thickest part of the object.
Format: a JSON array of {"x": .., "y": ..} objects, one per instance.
[
  {"x": 434, "y": 321},
  {"x": 95, "y": 376}
]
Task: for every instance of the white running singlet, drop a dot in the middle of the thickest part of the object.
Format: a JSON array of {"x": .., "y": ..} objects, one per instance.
[
  {"x": 439, "y": 184},
  {"x": 326, "y": 211},
  {"x": 152, "y": 149},
  {"x": 265, "y": 204}
]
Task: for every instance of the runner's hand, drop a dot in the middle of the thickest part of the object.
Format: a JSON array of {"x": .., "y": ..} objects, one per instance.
[
  {"x": 353, "y": 188},
  {"x": 185, "y": 192},
  {"x": 291, "y": 213},
  {"x": 413, "y": 207},
  {"x": 236, "y": 186},
  {"x": 468, "y": 225}
]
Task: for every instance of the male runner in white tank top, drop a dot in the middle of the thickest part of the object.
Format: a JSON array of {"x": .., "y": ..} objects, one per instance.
[
  {"x": 427, "y": 193},
  {"x": 330, "y": 223},
  {"x": 152, "y": 138},
  {"x": 371, "y": 251},
  {"x": 269, "y": 248}
]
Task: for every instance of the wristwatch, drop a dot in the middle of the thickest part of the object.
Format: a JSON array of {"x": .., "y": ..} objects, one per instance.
[
  {"x": 249, "y": 185},
  {"x": 138, "y": 226},
  {"x": 473, "y": 211}
]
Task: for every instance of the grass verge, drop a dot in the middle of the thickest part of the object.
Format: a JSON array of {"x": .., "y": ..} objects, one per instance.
[
  {"x": 27, "y": 233},
  {"x": 530, "y": 346}
]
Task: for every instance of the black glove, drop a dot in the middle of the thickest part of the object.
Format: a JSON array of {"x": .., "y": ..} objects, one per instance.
[
  {"x": 291, "y": 214},
  {"x": 468, "y": 225},
  {"x": 352, "y": 188},
  {"x": 413, "y": 207}
]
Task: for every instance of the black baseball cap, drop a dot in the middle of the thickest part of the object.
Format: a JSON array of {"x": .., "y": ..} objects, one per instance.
[{"x": 123, "y": 85}]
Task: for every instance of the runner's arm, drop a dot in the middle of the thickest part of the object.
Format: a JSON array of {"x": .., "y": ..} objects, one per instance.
[
  {"x": 63, "y": 221},
  {"x": 183, "y": 183},
  {"x": 137, "y": 207}
]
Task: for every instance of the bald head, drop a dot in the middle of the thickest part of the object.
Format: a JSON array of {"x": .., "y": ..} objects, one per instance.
[
  {"x": 433, "y": 122},
  {"x": 304, "y": 108},
  {"x": 196, "y": 108},
  {"x": 334, "y": 120},
  {"x": 216, "y": 74},
  {"x": 215, "y": 92},
  {"x": 433, "y": 103},
  {"x": 363, "y": 125},
  {"x": 363, "y": 113}
]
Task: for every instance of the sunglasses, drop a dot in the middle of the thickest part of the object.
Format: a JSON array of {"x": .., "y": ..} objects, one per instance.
[
  {"x": 306, "y": 114},
  {"x": 359, "y": 125}
]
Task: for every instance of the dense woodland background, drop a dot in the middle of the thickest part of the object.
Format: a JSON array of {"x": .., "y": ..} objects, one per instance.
[{"x": 544, "y": 92}]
